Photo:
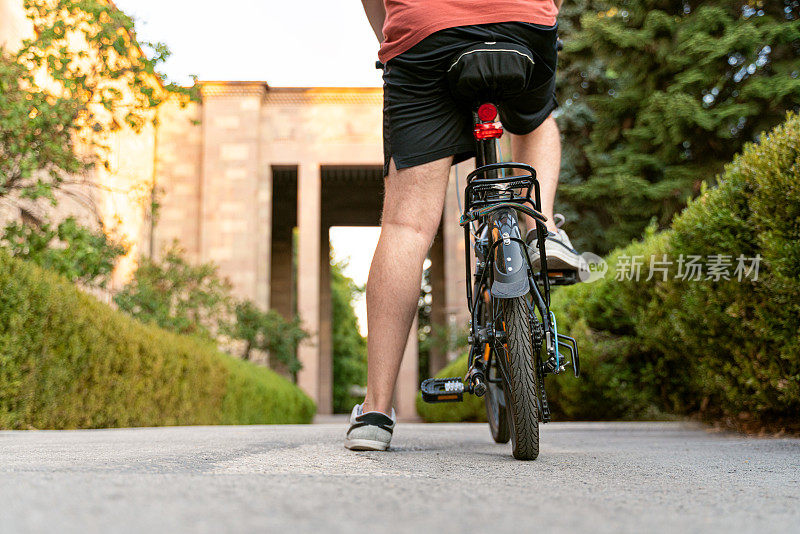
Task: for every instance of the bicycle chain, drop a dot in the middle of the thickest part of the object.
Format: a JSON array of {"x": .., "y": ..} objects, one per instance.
[
  {"x": 545, "y": 405},
  {"x": 537, "y": 329}
]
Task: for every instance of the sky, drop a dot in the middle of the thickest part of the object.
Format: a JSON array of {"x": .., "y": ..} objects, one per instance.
[
  {"x": 317, "y": 43},
  {"x": 356, "y": 245},
  {"x": 285, "y": 43}
]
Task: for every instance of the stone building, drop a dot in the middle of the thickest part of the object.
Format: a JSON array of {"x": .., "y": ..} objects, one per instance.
[
  {"x": 241, "y": 173},
  {"x": 249, "y": 164}
]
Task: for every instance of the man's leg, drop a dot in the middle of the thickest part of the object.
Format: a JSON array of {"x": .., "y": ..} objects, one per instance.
[
  {"x": 541, "y": 149},
  {"x": 412, "y": 208}
]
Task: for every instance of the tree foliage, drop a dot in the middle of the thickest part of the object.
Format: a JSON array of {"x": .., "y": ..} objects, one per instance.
[
  {"x": 349, "y": 346},
  {"x": 36, "y": 140},
  {"x": 79, "y": 77},
  {"x": 427, "y": 331},
  {"x": 657, "y": 95},
  {"x": 69, "y": 249},
  {"x": 267, "y": 331},
  {"x": 194, "y": 299},
  {"x": 82, "y": 75},
  {"x": 177, "y": 295}
]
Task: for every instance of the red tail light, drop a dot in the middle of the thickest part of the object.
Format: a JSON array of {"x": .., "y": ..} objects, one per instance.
[
  {"x": 487, "y": 112},
  {"x": 489, "y": 130}
]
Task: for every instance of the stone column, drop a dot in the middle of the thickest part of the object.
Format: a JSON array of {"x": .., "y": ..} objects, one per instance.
[
  {"x": 179, "y": 163},
  {"x": 438, "y": 354},
  {"x": 455, "y": 308},
  {"x": 405, "y": 394},
  {"x": 264, "y": 236},
  {"x": 325, "y": 402},
  {"x": 309, "y": 211},
  {"x": 281, "y": 276},
  {"x": 233, "y": 188},
  {"x": 281, "y": 287}
]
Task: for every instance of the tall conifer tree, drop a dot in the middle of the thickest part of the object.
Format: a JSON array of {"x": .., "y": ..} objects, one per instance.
[{"x": 657, "y": 95}]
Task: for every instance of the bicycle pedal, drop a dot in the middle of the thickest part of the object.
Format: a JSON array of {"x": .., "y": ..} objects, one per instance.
[
  {"x": 563, "y": 278},
  {"x": 442, "y": 390}
]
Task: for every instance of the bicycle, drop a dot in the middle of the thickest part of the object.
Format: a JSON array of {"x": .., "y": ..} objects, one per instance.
[{"x": 513, "y": 338}]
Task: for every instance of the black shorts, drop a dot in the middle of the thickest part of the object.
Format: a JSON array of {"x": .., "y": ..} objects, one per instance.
[{"x": 421, "y": 120}]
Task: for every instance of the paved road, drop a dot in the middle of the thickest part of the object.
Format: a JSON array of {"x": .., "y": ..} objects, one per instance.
[{"x": 619, "y": 477}]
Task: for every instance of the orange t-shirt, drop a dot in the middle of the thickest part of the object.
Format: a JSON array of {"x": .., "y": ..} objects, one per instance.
[{"x": 410, "y": 21}]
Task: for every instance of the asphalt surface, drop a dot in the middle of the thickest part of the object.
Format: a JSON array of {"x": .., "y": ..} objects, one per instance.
[{"x": 618, "y": 477}]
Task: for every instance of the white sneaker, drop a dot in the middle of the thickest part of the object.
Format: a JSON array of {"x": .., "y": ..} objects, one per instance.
[
  {"x": 371, "y": 431},
  {"x": 560, "y": 253}
]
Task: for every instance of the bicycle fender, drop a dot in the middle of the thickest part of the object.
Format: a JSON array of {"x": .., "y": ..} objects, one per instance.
[{"x": 510, "y": 266}]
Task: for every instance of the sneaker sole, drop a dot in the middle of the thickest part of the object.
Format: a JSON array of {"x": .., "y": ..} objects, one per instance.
[
  {"x": 556, "y": 260},
  {"x": 365, "y": 445}
]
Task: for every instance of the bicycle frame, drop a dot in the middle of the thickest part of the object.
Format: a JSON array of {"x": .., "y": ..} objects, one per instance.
[{"x": 493, "y": 200}]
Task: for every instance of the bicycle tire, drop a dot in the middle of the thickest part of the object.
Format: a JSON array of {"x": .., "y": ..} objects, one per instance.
[
  {"x": 494, "y": 399},
  {"x": 497, "y": 413},
  {"x": 522, "y": 388}
]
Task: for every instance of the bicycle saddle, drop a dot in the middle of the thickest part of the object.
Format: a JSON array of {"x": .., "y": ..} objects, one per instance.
[{"x": 490, "y": 72}]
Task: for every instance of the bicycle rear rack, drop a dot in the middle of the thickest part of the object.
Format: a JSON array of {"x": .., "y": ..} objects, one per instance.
[{"x": 484, "y": 180}]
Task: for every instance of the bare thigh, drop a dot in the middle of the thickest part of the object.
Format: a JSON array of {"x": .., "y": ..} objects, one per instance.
[{"x": 414, "y": 197}]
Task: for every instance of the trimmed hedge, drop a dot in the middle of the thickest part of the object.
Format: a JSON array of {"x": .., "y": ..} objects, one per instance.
[
  {"x": 69, "y": 361},
  {"x": 727, "y": 351},
  {"x": 621, "y": 375}
]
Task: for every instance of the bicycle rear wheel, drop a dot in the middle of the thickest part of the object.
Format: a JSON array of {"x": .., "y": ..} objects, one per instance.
[
  {"x": 522, "y": 387},
  {"x": 494, "y": 399},
  {"x": 497, "y": 411}
]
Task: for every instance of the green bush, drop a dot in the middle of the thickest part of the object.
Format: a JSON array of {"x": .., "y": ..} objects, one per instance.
[
  {"x": 256, "y": 395},
  {"x": 745, "y": 335},
  {"x": 620, "y": 374},
  {"x": 726, "y": 351},
  {"x": 69, "y": 361}
]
